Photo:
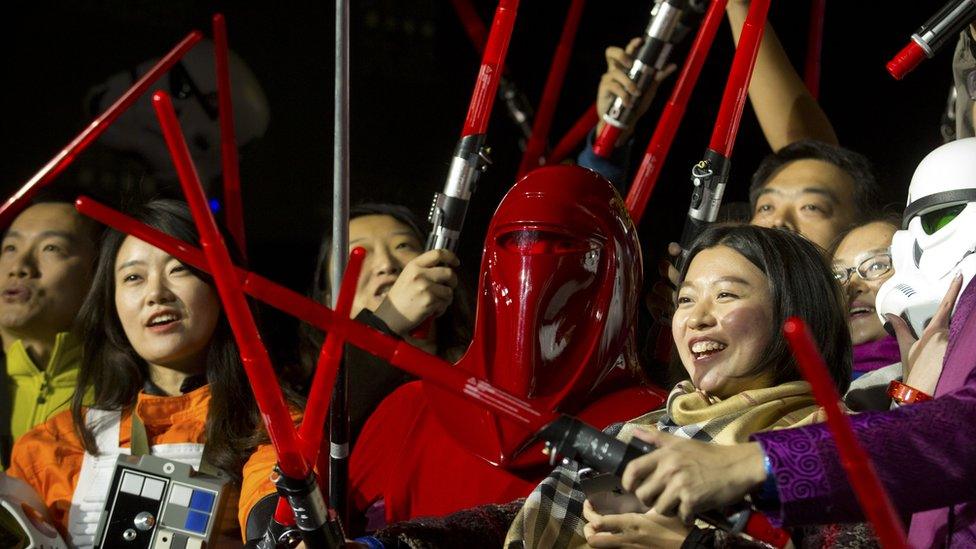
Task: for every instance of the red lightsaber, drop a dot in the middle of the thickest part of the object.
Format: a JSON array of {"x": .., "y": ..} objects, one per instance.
[
  {"x": 811, "y": 69},
  {"x": 536, "y": 147},
  {"x": 397, "y": 352},
  {"x": 233, "y": 208},
  {"x": 313, "y": 424},
  {"x": 311, "y": 430},
  {"x": 576, "y": 134},
  {"x": 667, "y": 126},
  {"x": 860, "y": 471},
  {"x": 255, "y": 357},
  {"x": 450, "y": 206},
  {"x": 710, "y": 175},
  {"x": 651, "y": 57},
  {"x": 297, "y": 481},
  {"x": 516, "y": 103},
  {"x": 942, "y": 27},
  {"x": 95, "y": 128}
]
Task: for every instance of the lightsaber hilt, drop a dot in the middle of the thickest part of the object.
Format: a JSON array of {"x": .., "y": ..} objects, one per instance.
[
  {"x": 450, "y": 206},
  {"x": 708, "y": 179},
  {"x": 578, "y": 442},
  {"x": 939, "y": 29},
  {"x": 945, "y": 25},
  {"x": 314, "y": 523},
  {"x": 650, "y": 58}
]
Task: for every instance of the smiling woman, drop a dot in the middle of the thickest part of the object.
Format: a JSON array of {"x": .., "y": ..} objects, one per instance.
[
  {"x": 158, "y": 347},
  {"x": 739, "y": 285}
]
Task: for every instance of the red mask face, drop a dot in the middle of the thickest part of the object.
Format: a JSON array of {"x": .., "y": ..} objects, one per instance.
[{"x": 557, "y": 301}]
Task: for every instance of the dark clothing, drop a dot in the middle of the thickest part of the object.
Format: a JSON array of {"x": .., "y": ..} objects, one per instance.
[{"x": 370, "y": 378}]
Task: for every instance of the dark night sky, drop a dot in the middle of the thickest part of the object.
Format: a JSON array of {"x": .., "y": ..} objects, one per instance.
[{"x": 412, "y": 72}]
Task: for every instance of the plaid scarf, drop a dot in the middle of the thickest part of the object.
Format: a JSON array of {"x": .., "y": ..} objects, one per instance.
[{"x": 553, "y": 513}]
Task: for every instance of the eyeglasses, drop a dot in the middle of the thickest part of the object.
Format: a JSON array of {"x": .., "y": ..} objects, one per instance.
[{"x": 872, "y": 267}]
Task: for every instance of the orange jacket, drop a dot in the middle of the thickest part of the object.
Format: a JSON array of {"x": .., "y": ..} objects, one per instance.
[{"x": 49, "y": 456}]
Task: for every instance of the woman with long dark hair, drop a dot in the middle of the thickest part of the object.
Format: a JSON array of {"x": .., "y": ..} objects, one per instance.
[{"x": 166, "y": 378}]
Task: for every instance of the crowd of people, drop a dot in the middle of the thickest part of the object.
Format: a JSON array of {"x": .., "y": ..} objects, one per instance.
[{"x": 113, "y": 346}]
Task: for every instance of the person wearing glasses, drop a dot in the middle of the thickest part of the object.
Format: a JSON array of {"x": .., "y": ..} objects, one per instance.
[{"x": 861, "y": 264}]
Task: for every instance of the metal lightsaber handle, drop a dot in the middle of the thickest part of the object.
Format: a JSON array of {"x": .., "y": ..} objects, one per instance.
[
  {"x": 942, "y": 27},
  {"x": 667, "y": 125},
  {"x": 650, "y": 58},
  {"x": 450, "y": 207},
  {"x": 708, "y": 178}
]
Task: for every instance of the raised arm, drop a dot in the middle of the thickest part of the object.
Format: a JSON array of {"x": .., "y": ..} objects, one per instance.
[{"x": 785, "y": 109}]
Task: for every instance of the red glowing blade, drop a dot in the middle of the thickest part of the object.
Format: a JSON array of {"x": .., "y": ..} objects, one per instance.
[
  {"x": 257, "y": 363},
  {"x": 574, "y": 136},
  {"x": 233, "y": 204},
  {"x": 870, "y": 493},
  {"x": 811, "y": 69},
  {"x": 536, "y": 147},
  {"x": 492, "y": 63},
  {"x": 737, "y": 87},
  {"x": 430, "y": 367},
  {"x": 67, "y": 155},
  {"x": 313, "y": 424},
  {"x": 667, "y": 125}
]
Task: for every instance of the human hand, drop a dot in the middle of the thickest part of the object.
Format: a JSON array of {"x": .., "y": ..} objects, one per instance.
[
  {"x": 615, "y": 83},
  {"x": 685, "y": 477},
  {"x": 424, "y": 289},
  {"x": 632, "y": 529},
  {"x": 922, "y": 359}
]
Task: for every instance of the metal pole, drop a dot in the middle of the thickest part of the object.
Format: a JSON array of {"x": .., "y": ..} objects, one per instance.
[{"x": 339, "y": 418}]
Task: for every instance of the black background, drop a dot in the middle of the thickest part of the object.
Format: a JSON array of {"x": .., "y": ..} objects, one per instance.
[{"x": 412, "y": 73}]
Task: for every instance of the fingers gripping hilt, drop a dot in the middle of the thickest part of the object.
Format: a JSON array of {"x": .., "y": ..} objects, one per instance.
[
  {"x": 659, "y": 37},
  {"x": 447, "y": 212}
]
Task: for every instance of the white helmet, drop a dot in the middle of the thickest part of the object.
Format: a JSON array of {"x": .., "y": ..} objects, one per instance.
[
  {"x": 938, "y": 235},
  {"x": 192, "y": 83}
]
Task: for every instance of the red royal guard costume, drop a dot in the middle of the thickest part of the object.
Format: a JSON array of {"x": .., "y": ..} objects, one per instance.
[{"x": 557, "y": 307}]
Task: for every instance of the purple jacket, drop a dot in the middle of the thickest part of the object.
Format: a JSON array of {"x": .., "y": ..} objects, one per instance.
[{"x": 925, "y": 455}]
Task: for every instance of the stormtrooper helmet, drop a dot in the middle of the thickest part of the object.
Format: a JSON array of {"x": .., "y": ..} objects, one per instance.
[{"x": 938, "y": 235}]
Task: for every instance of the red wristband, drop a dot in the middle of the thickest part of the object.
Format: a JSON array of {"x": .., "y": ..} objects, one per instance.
[{"x": 905, "y": 394}]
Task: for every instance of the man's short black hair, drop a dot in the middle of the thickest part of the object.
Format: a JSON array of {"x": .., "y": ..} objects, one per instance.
[{"x": 867, "y": 192}]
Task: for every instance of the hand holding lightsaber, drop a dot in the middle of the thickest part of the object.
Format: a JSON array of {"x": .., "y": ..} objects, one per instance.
[
  {"x": 650, "y": 58},
  {"x": 667, "y": 125}
]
